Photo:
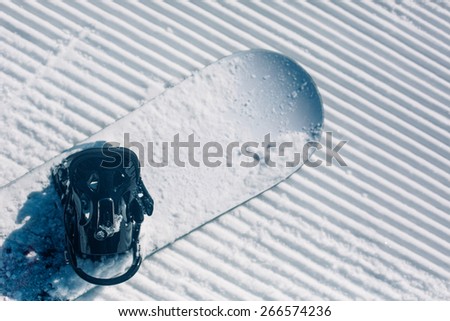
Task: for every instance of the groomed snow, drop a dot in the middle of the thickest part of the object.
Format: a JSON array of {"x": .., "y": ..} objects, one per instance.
[{"x": 377, "y": 229}]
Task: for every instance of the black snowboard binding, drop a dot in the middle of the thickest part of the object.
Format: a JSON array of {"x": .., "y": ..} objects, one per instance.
[{"x": 104, "y": 201}]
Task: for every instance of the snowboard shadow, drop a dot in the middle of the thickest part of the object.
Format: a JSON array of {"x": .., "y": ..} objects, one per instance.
[{"x": 33, "y": 253}]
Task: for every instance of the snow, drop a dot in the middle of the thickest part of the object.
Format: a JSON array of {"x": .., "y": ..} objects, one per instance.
[{"x": 378, "y": 229}]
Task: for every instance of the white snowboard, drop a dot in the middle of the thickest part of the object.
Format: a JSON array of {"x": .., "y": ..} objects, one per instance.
[{"x": 236, "y": 100}]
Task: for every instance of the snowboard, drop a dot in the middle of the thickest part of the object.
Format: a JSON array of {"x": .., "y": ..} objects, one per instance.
[{"x": 222, "y": 136}]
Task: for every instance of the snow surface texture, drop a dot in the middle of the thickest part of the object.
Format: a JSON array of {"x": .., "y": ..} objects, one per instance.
[{"x": 377, "y": 229}]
